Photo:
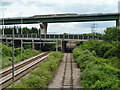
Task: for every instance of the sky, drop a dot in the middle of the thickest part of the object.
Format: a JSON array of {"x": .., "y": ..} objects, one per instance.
[{"x": 25, "y": 8}]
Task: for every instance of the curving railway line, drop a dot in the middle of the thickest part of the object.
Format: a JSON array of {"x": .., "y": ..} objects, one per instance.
[{"x": 21, "y": 69}]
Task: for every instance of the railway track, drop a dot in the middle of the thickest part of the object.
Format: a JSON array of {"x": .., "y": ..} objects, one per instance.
[
  {"x": 68, "y": 72},
  {"x": 67, "y": 76},
  {"x": 21, "y": 69}
]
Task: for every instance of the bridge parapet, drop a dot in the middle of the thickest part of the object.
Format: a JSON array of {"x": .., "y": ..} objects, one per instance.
[{"x": 76, "y": 37}]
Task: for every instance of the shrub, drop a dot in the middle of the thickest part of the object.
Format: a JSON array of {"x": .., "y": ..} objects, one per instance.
[
  {"x": 104, "y": 48},
  {"x": 100, "y": 76},
  {"x": 98, "y": 72},
  {"x": 18, "y": 51},
  {"x": 6, "y": 51},
  {"x": 77, "y": 52}
]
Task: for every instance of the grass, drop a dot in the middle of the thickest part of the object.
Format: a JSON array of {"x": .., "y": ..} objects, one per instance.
[{"x": 26, "y": 54}]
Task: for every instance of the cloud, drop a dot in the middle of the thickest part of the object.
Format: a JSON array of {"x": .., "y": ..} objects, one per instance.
[{"x": 6, "y": 3}]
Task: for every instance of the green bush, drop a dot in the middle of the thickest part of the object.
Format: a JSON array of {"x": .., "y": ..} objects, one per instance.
[
  {"x": 97, "y": 72},
  {"x": 17, "y": 51},
  {"x": 84, "y": 60},
  {"x": 91, "y": 45},
  {"x": 100, "y": 76},
  {"x": 77, "y": 52},
  {"x": 6, "y": 51},
  {"x": 104, "y": 48}
]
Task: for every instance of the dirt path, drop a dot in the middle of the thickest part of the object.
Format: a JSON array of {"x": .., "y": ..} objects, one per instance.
[{"x": 68, "y": 74}]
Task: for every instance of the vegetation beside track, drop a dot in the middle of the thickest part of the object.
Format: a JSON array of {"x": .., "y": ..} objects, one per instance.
[
  {"x": 99, "y": 62},
  {"x": 40, "y": 77},
  {"x": 7, "y": 53},
  {"x": 97, "y": 72}
]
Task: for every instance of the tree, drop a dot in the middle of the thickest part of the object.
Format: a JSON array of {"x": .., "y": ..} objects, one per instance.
[
  {"x": 112, "y": 34},
  {"x": 25, "y": 30},
  {"x": 33, "y": 30}
]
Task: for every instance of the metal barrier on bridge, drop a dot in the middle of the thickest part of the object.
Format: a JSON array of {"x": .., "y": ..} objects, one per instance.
[{"x": 56, "y": 36}]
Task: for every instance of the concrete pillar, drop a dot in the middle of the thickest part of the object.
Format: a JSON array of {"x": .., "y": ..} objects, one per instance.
[
  {"x": 56, "y": 46},
  {"x": 40, "y": 46},
  {"x": 43, "y": 28},
  {"x": 64, "y": 46},
  {"x": 3, "y": 31},
  {"x": 33, "y": 46},
  {"x": 43, "y": 45},
  {"x": 6, "y": 42},
  {"x": 117, "y": 23}
]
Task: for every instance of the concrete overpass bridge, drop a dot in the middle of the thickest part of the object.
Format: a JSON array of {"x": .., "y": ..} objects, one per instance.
[{"x": 43, "y": 20}]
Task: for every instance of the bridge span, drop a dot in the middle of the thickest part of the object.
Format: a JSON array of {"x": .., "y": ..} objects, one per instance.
[{"x": 40, "y": 39}]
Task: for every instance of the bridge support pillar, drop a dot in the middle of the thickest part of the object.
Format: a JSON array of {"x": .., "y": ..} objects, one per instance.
[
  {"x": 33, "y": 46},
  {"x": 6, "y": 42},
  {"x": 43, "y": 28},
  {"x": 40, "y": 46},
  {"x": 56, "y": 46},
  {"x": 117, "y": 23},
  {"x": 64, "y": 46}
]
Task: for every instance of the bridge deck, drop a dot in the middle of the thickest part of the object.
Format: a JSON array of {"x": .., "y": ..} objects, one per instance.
[{"x": 55, "y": 18}]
